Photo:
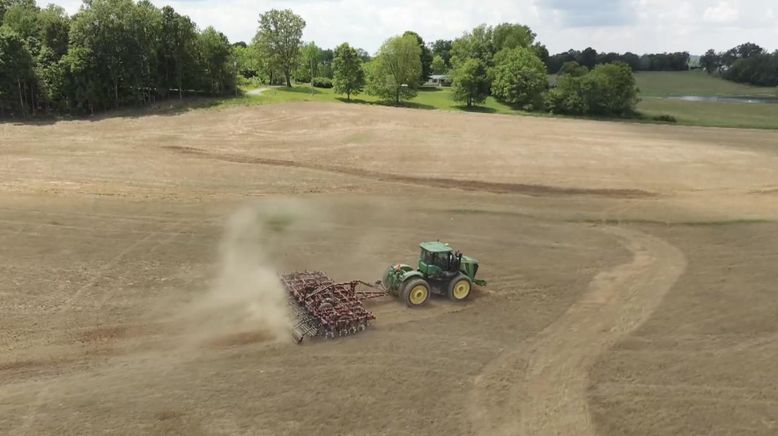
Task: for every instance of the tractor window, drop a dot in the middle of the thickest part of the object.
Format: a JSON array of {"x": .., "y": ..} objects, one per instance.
[
  {"x": 427, "y": 257},
  {"x": 442, "y": 260}
]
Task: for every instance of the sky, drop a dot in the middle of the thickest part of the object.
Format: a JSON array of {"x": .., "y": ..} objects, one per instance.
[{"x": 639, "y": 26}]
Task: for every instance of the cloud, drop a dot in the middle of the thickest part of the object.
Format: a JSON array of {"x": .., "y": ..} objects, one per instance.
[
  {"x": 591, "y": 13},
  {"x": 639, "y": 26},
  {"x": 722, "y": 13}
]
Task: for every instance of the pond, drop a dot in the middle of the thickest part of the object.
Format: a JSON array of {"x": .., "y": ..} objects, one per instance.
[{"x": 712, "y": 99}]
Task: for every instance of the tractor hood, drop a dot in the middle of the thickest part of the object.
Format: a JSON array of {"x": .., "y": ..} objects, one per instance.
[{"x": 470, "y": 260}]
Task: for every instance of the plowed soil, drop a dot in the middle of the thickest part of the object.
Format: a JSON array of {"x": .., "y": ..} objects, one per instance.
[{"x": 632, "y": 274}]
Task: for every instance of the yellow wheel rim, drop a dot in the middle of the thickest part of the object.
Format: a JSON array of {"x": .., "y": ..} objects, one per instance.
[
  {"x": 461, "y": 289},
  {"x": 418, "y": 294}
]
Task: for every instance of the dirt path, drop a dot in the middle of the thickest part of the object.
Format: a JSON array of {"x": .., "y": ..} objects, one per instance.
[
  {"x": 257, "y": 91},
  {"x": 551, "y": 399}
]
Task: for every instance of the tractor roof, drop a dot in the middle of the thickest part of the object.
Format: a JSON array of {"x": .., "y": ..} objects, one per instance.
[{"x": 435, "y": 247}]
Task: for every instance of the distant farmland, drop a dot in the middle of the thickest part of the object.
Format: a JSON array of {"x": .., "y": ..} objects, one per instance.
[{"x": 656, "y": 86}]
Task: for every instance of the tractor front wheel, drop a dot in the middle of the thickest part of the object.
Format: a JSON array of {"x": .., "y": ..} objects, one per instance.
[
  {"x": 416, "y": 293},
  {"x": 459, "y": 288}
]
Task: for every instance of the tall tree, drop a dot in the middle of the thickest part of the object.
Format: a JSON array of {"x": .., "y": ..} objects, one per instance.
[
  {"x": 144, "y": 48},
  {"x": 588, "y": 58},
  {"x": 472, "y": 59},
  {"x": 710, "y": 61},
  {"x": 103, "y": 28},
  {"x": 53, "y": 28},
  {"x": 439, "y": 65},
  {"x": 542, "y": 52},
  {"x": 217, "y": 60},
  {"x": 347, "y": 67},
  {"x": 178, "y": 49},
  {"x": 22, "y": 18},
  {"x": 279, "y": 38},
  {"x": 470, "y": 83},
  {"x": 477, "y": 44},
  {"x": 248, "y": 61},
  {"x": 7, "y": 4},
  {"x": 310, "y": 62},
  {"x": 425, "y": 56},
  {"x": 16, "y": 68},
  {"x": 519, "y": 77},
  {"x": 395, "y": 71},
  {"x": 511, "y": 35},
  {"x": 442, "y": 48}
]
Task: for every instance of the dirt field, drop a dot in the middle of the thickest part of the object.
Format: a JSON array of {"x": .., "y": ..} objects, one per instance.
[{"x": 632, "y": 274}]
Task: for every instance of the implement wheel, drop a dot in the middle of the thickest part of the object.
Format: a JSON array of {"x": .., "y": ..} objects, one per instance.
[
  {"x": 459, "y": 289},
  {"x": 416, "y": 293}
]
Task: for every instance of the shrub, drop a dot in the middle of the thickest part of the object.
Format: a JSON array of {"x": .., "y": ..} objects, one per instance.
[
  {"x": 665, "y": 118},
  {"x": 608, "y": 90},
  {"x": 615, "y": 92},
  {"x": 321, "y": 82}
]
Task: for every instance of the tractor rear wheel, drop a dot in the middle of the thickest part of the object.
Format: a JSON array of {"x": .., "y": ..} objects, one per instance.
[
  {"x": 416, "y": 293},
  {"x": 459, "y": 289}
]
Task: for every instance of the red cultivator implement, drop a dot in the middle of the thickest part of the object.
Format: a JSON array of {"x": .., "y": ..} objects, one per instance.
[{"x": 324, "y": 308}]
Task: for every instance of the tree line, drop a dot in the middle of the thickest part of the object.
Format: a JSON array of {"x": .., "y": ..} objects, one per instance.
[
  {"x": 114, "y": 53},
  {"x": 504, "y": 61},
  {"x": 746, "y": 63},
  {"x": 678, "y": 61},
  {"x": 111, "y": 53}
]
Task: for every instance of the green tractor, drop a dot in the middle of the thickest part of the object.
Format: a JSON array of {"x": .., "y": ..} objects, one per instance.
[{"x": 442, "y": 271}]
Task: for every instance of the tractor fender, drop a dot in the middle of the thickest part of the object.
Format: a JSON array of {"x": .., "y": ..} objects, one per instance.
[
  {"x": 411, "y": 275},
  {"x": 396, "y": 275}
]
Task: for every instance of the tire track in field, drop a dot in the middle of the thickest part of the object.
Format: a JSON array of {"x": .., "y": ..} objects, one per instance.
[
  {"x": 43, "y": 395},
  {"x": 540, "y": 387},
  {"x": 435, "y": 182},
  {"x": 101, "y": 272}
]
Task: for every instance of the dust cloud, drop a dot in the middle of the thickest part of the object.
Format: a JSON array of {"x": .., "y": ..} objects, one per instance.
[{"x": 247, "y": 296}]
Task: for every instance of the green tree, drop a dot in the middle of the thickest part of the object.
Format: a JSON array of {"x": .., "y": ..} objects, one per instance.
[
  {"x": 53, "y": 27},
  {"x": 425, "y": 56},
  {"x": 102, "y": 27},
  {"x": 143, "y": 51},
  {"x": 217, "y": 61},
  {"x": 279, "y": 38},
  {"x": 519, "y": 77},
  {"x": 608, "y": 90},
  {"x": 8, "y": 4},
  {"x": 711, "y": 61},
  {"x": 476, "y": 44},
  {"x": 510, "y": 35},
  {"x": 310, "y": 62},
  {"x": 543, "y": 54},
  {"x": 470, "y": 83},
  {"x": 16, "y": 70},
  {"x": 22, "y": 18},
  {"x": 574, "y": 69},
  {"x": 248, "y": 61},
  {"x": 569, "y": 96},
  {"x": 588, "y": 58},
  {"x": 442, "y": 48},
  {"x": 349, "y": 75},
  {"x": 439, "y": 65},
  {"x": 84, "y": 88},
  {"x": 178, "y": 51},
  {"x": 395, "y": 71},
  {"x": 614, "y": 91}
]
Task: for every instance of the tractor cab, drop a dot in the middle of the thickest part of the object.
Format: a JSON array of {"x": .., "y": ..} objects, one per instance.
[{"x": 438, "y": 260}]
